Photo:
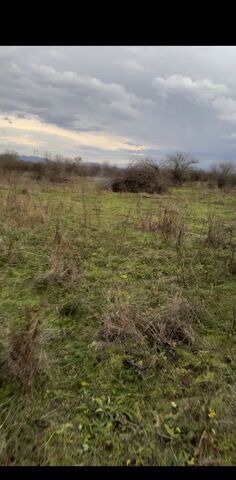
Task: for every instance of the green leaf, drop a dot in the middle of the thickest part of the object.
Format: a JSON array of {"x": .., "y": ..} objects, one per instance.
[
  {"x": 98, "y": 410},
  {"x": 170, "y": 431}
]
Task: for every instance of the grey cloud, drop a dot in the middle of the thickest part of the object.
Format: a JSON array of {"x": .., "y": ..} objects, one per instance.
[
  {"x": 88, "y": 148},
  {"x": 129, "y": 65},
  {"x": 202, "y": 89},
  {"x": 179, "y": 97},
  {"x": 226, "y": 108},
  {"x": 59, "y": 97},
  {"x": 90, "y": 129},
  {"x": 20, "y": 115}
]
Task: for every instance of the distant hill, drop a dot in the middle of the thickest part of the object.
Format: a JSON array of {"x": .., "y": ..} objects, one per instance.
[
  {"x": 31, "y": 158},
  {"x": 91, "y": 164},
  {"x": 35, "y": 159}
]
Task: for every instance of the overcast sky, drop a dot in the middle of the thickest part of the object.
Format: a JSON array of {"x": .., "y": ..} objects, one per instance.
[{"x": 114, "y": 103}]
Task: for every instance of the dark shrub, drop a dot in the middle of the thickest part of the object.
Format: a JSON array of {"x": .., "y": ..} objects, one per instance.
[
  {"x": 142, "y": 176},
  {"x": 224, "y": 174}
]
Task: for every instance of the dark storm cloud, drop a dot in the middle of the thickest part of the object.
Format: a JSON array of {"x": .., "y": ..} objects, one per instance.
[{"x": 161, "y": 98}]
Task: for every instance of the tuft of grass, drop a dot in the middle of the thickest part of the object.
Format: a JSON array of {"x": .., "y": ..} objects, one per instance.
[
  {"x": 122, "y": 321},
  {"x": 170, "y": 224},
  {"x": 172, "y": 324},
  {"x": 175, "y": 323},
  {"x": 217, "y": 234},
  {"x": 64, "y": 270},
  {"x": 24, "y": 351}
]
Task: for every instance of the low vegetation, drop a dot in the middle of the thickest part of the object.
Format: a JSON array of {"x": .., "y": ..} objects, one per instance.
[
  {"x": 24, "y": 351},
  {"x": 118, "y": 321},
  {"x": 55, "y": 169},
  {"x": 142, "y": 176},
  {"x": 171, "y": 324}
]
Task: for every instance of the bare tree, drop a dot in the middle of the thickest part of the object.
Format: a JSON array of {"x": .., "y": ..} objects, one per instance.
[
  {"x": 179, "y": 166},
  {"x": 224, "y": 174}
]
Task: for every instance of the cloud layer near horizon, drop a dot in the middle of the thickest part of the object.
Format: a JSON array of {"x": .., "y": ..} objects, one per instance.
[{"x": 110, "y": 103}]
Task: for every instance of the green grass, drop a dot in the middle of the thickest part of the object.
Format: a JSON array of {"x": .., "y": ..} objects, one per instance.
[{"x": 87, "y": 408}]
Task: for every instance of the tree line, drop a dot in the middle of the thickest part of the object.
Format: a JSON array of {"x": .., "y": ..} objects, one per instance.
[{"x": 142, "y": 175}]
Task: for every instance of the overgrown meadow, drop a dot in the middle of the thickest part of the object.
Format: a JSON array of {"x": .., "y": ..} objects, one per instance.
[{"x": 117, "y": 325}]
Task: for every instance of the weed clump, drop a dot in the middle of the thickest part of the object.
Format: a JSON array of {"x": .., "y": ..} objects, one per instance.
[
  {"x": 24, "y": 351},
  {"x": 169, "y": 224},
  {"x": 122, "y": 321},
  {"x": 172, "y": 324},
  {"x": 148, "y": 223},
  {"x": 63, "y": 272},
  {"x": 175, "y": 323},
  {"x": 217, "y": 235},
  {"x": 63, "y": 263}
]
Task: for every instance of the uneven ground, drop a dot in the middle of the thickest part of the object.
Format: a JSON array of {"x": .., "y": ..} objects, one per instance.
[{"x": 81, "y": 259}]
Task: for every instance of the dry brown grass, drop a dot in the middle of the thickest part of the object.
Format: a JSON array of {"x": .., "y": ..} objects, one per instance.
[
  {"x": 63, "y": 260},
  {"x": 121, "y": 321},
  {"x": 21, "y": 210},
  {"x": 63, "y": 271},
  {"x": 7, "y": 252},
  {"x": 172, "y": 324},
  {"x": 217, "y": 234},
  {"x": 169, "y": 224},
  {"x": 24, "y": 351},
  {"x": 148, "y": 223},
  {"x": 175, "y": 323}
]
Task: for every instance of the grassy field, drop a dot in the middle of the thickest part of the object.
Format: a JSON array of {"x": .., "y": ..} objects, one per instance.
[{"x": 130, "y": 303}]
